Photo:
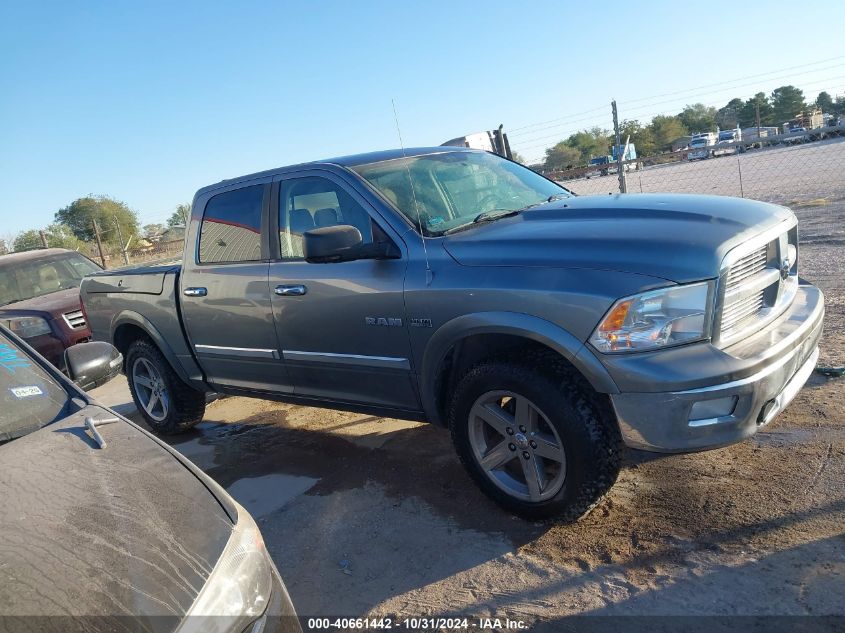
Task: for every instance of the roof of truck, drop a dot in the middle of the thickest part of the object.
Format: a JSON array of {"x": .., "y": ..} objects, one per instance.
[{"x": 352, "y": 160}]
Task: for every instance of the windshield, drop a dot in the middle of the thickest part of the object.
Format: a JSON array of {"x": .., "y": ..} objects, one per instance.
[
  {"x": 699, "y": 142},
  {"x": 29, "y": 396},
  {"x": 24, "y": 280},
  {"x": 453, "y": 188}
]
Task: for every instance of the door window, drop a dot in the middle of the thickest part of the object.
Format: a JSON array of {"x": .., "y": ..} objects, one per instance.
[
  {"x": 314, "y": 202},
  {"x": 231, "y": 227}
]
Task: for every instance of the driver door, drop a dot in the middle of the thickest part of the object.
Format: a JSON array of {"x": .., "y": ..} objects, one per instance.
[{"x": 341, "y": 326}]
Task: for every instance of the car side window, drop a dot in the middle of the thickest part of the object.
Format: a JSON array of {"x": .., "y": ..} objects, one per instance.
[
  {"x": 231, "y": 227},
  {"x": 314, "y": 202}
]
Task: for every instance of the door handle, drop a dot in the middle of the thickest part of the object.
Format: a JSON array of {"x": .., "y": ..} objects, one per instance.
[
  {"x": 290, "y": 291},
  {"x": 195, "y": 292}
]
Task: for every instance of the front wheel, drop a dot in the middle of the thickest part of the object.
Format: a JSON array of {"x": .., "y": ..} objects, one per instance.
[
  {"x": 167, "y": 404},
  {"x": 535, "y": 441}
]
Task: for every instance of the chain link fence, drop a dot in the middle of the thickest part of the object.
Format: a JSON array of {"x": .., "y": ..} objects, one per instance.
[
  {"x": 115, "y": 258},
  {"x": 783, "y": 169}
]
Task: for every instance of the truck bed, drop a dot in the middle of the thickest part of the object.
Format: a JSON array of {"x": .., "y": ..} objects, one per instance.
[{"x": 144, "y": 297}]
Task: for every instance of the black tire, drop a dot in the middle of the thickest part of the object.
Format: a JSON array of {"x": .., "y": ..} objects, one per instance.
[
  {"x": 585, "y": 426},
  {"x": 186, "y": 405}
]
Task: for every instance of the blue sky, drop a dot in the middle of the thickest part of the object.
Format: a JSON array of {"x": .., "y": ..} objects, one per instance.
[{"x": 148, "y": 101}]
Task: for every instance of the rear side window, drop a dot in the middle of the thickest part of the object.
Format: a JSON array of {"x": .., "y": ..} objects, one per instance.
[{"x": 231, "y": 227}]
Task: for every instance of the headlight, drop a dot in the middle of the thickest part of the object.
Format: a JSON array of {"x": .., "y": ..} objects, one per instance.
[
  {"x": 660, "y": 318},
  {"x": 238, "y": 590},
  {"x": 27, "y": 326}
]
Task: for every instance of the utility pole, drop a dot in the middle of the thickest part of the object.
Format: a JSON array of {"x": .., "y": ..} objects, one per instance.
[
  {"x": 99, "y": 243},
  {"x": 623, "y": 186},
  {"x": 120, "y": 241},
  {"x": 43, "y": 239},
  {"x": 757, "y": 108}
]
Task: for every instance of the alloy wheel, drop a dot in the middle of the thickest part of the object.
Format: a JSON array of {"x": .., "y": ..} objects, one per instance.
[
  {"x": 516, "y": 446},
  {"x": 150, "y": 389}
]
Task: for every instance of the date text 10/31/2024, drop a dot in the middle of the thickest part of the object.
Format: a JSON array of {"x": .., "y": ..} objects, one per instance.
[{"x": 416, "y": 624}]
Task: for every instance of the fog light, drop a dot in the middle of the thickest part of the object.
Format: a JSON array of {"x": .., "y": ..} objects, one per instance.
[{"x": 708, "y": 409}]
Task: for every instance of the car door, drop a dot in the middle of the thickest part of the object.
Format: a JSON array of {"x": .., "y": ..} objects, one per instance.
[
  {"x": 341, "y": 326},
  {"x": 225, "y": 297}
]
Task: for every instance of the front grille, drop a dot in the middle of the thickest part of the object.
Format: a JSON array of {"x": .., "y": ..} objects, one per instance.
[
  {"x": 735, "y": 313},
  {"x": 755, "y": 289},
  {"x": 74, "y": 319},
  {"x": 746, "y": 267}
]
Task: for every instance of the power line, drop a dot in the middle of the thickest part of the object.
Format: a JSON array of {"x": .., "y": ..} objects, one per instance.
[
  {"x": 720, "y": 83},
  {"x": 596, "y": 109},
  {"x": 640, "y": 108},
  {"x": 561, "y": 135},
  {"x": 779, "y": 74}
]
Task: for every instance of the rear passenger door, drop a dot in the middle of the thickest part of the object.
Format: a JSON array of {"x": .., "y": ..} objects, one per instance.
[
  {"x": 224, "y": 294},
  {"x": 341, "y": 326}
]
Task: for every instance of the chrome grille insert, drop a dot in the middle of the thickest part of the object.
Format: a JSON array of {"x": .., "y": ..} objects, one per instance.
[
  {"x": 74, "y": 319},
  {"x": 755, "y": 287},
  {"x": 738, "y": 311},
  {"x": 746, "y": 267}
]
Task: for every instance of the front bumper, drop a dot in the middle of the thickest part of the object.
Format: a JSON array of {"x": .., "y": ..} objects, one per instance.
[{"x": 742, "y": 387}]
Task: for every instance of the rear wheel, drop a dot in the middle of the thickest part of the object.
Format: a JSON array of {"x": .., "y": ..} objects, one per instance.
[
  {"x": 537, "y": 442},
  {"x": 167, "y": 404}
]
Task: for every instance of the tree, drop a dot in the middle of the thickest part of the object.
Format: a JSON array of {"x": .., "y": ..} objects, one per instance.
[
  {"x": 517, "y": 158},
  {"x": 27, "y": 241},
  {"x": 58, "y": 236},
  {"x": 151, "y": 230},
  {"x": 748, "y": 114},
  {"x": 641, "y": 136},
  {"x": 787, "y": 101},
  {"x": 666, "y": 130},
  {"x": 4, "y": 248},
  {"x": 825, "y": 103},
  {"x": 590, "y": 143},
  {"x": 727, "y": 117},
  {"x": 698, "y": 118},
  {"x": 110, "y": 214},
  {"x": 180, "y": 216},
  {"x": 561, "y": 156}
]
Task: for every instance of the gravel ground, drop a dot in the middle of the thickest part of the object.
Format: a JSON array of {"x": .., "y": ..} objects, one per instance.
[{"x": 373, "y": 516}]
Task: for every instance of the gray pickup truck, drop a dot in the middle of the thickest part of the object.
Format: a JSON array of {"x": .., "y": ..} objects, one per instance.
[{"x": 545, "y": 330}]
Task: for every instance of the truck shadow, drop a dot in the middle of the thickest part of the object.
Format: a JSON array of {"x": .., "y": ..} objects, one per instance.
[
  {"x": 368, "y": 515},
  {"x": 411, "y": 462}
]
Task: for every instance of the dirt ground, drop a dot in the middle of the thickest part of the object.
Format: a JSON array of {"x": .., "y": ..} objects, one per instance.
[{"x": 373, "y": 516}]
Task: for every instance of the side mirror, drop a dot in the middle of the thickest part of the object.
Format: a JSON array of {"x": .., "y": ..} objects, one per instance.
[
  {"x": 92, "y": 364},
  {"x": 343, "y": 243}
]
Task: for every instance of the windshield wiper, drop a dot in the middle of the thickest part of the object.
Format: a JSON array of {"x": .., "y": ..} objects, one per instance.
[
  {"x": 495, "y": 214},
  {"x": 486, "y": 216},
  {"x": 552, "y": 198}
]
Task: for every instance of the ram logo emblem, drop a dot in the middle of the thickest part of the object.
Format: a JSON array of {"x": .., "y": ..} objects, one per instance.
[{"x": 383, "y": 321}]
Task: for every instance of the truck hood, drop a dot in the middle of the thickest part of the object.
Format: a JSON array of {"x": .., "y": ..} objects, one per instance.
[
  {"x": 122, "y": 530},
  {"x": 55, "y": 303},
  {"x": 681, "y": 238}
]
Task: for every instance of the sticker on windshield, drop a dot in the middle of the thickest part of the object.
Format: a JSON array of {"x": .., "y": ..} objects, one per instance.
[
  {"x": 25, "y": 392},
  {"x": 9, "y": 358},
  {"x": 435, "y": 221}
]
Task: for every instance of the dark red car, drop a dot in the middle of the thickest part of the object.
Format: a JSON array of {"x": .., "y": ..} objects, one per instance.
[{"x": 39, "y": 299}]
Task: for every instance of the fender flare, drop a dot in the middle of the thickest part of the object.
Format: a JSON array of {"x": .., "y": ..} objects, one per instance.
[
  {"x": 129, "y": 317},
  {"x": 516, "y": 324}
]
